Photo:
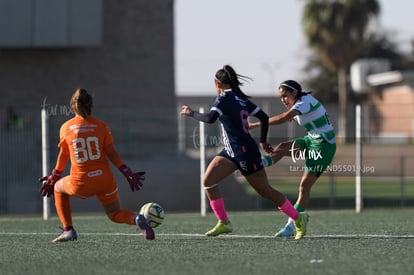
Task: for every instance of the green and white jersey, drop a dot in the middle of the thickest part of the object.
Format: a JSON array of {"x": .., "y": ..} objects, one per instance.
[{"x": 314, "y": 119}]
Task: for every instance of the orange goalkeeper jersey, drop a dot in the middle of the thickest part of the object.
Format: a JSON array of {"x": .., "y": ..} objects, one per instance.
[{"x": 86, "y": 139}]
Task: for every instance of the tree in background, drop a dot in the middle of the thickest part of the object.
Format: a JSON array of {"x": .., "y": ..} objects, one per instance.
[
  {"x": 376, "y": 45},
  {"x": 381, "y": 45},
  {"x": 322, "y": 82},
  {"x": 335, "y": 30}
]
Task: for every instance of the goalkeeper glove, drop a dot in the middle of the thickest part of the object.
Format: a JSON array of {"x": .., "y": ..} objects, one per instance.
[
  {"x": 48, "y": 183},
  {"x": 134, "y": 179}
]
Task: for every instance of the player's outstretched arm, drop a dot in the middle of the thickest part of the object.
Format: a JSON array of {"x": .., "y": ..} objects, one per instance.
[
  {"x": 283, "y": 117},
  {"x": 134, "y": 179},
  {"x": 209, "y": 117},
  {"x": 48, "y": 182},
  {"x": 264, "y": 127},
  {"x": 186, "y": 110}
]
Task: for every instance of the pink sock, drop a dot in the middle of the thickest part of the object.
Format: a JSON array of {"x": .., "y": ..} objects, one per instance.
[
  {"x": 218, "y": 209},
  {"x": 288, "y": 209}
]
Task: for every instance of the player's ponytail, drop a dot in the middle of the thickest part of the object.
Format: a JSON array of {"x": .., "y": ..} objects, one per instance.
[
  {"x": 81, "y": 103},
  {"x": 227, "y": 75}
]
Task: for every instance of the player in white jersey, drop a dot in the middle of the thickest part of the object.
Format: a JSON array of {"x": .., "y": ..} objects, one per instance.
[{"x": 318, "y": 146}]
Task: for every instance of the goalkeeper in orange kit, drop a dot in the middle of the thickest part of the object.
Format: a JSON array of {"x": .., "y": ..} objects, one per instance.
[{"x": 88, "y": 143}]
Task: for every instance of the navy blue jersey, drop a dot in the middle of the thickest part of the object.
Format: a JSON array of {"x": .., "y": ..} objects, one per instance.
[{"x": 233, "y": 112}]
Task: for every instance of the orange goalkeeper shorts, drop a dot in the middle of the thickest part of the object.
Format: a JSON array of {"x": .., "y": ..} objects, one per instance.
[{"x": 103, "y": 187}]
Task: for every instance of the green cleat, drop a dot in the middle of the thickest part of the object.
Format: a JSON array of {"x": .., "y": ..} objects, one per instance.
[
  {"x": 220, "y": 228},
  {"x": 300, "y": 225}
]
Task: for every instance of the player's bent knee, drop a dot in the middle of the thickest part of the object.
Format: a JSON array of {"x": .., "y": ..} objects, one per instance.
[{"x": 210, "y": 187}]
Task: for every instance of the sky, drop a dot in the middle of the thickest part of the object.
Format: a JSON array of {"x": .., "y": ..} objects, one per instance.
[{"x": 262, "y": 39}]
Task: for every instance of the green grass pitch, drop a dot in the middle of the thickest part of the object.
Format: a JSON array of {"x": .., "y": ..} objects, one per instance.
[{"x": 376, "y": 241}]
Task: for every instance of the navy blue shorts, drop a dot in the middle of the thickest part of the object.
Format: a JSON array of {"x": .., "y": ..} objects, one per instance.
[{"x": 247, "y": 161}]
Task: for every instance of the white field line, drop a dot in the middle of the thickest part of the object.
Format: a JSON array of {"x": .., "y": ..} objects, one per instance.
[{"x": 228, "y": 236}]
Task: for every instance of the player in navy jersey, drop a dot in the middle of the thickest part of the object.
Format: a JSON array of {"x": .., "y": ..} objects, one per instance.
[{"x": 232, "y": 107}]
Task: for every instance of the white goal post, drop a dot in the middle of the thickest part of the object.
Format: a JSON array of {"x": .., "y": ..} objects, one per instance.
[
  {"x": 45, "y": 158},
  {"x": 358, "y": 159},
  {"x": 203, "y": 202}
]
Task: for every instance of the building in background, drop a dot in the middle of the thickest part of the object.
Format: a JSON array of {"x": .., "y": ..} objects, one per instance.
[
  {"x": 392, "y": 107},
  {"x": 122, "y": 52},
  {"x": 387, "y": 98}
]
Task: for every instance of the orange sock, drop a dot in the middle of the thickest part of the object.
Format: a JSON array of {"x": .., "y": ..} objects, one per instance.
[
  {"x": 63, "y": 208},
  {"x": 123, "y": 216}
]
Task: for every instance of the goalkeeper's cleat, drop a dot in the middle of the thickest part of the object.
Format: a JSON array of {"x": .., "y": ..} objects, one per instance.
[
  {"x": 221, "y": 227},
  {"x": 145, "y": 228},
  {"x": 300, "y": 225},
  {"x": 69, "y": 235},
  {"x": 286, "y": 232},
  {"x": 267, "y": 160}
]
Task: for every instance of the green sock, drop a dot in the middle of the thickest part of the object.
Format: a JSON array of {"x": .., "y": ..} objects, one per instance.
[
  {"x": 299, "y": 208},
  {"x": 267, "y": 160}
]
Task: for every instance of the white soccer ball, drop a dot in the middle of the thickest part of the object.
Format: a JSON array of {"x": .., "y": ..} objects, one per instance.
[{"x": 154, "y": 213}]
